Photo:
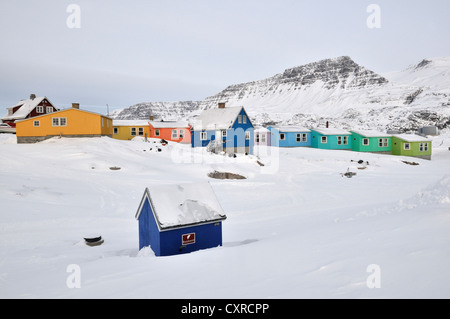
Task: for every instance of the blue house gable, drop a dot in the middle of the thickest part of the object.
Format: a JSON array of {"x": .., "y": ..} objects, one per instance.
[
  {"x": 290, "y": 136},
  {"x": 178, "y": 219},
  {"x": 224, "y": 129}
]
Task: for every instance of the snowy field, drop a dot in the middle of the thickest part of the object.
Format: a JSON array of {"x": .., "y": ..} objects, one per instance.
[{"x": 295, "y": 228}]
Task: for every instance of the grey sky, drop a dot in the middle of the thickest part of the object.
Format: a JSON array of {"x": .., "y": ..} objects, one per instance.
[{"x": 126, "y": 52}]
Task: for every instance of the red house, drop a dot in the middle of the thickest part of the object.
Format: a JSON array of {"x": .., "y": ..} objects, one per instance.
[
  {"x": 24, "y": 109},
  {"x": 170, "y": 131}
]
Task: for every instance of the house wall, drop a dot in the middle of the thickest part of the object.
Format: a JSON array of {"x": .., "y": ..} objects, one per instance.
[
  {"x": 166, "y": 134},
  {"x": 79, "y": 124},
  {"x": 290, "y": 139},
  {"x": 398, "y": 148},
  {"x": 206, "y": 236},
  {"x": 357, "y": 144},
  {"x": 148, "y": 230},
  {"x": 332, "y": 141},
  {"x": 124, "y": 131}
]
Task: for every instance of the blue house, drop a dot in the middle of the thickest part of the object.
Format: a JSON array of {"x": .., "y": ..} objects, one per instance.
[
  {"x": 178, "y": 219},
  {"x": 331, "y": 139},
  {"x": 226, "y": 129},
  {"x": 290, "y": 136}
]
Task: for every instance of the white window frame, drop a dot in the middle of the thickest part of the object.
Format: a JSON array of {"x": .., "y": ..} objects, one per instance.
[
  {"x": 157, "y": 132},
  {"x": 115, "y": 130},
  {"x": 324, "y": 139},
  {"x": 36, "y": 123},
  {"x": 298, "y": 137},
  {"x": 345, "y": 140},
  {"x": 386, "y": 142},
  {"x": 132, "y": 131},
  {"x": 49, "y": 109},
  {"x": 407, "y": 146},
  {"x": 425, "y": 147},
  {"x": 339, "y": 140},
  {"x": 263, "y": 138},
  {"x": 224, "y": 133},
  {"x": 282, "y": 136},
  {"x": 203, "y": 136},
  {"x": 140, "y": 131},
  {"x": 39, "y": 109},
  {"x": 59, "y": 121},
  {"x": 181, "y": 133},
  {"x": 365, "y": 141},
  {"x": 304, "y": 137},
  {"x": 174, "y": 133},
  {"x": 244, "y": 119},
  {"x": 247, "y": 135},
  {"x": 239, "y": 119}
]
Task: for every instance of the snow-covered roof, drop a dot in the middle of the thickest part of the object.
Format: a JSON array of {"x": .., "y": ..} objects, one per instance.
[
  {"x": 26, "y": 106},
  {"x": 130, "y": 122},
  {"x": 180, "y": 205},
  {"x": 331, "y": 131},
  {"x": 291, "y": 129},
  {"x": 217, "y": 118},
  {"x": 411, "y": 138},
  {"x": 261, "y": 130},
  {"x": 367, "y": 133},
  {"x": 169, "y": 124}
]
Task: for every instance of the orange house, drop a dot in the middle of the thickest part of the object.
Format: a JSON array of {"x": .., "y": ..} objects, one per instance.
[
  {"x": 170, "y": 131},
  {"x": 71, "y": 122}
]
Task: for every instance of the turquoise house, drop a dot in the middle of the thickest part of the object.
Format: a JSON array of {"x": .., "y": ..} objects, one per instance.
[
  {"x": 331, "y": 139},
  {"x": 290, "y": 136},
  {"x": 371, "y": 141}
]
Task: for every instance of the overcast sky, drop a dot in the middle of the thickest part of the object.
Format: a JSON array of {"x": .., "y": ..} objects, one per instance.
[{"x": 126, "y": 52}]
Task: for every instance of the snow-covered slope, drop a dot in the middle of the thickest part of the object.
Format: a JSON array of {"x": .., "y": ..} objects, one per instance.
[
  {"x": 336, "y": 90},
  {"x": 295, "y": 228}
]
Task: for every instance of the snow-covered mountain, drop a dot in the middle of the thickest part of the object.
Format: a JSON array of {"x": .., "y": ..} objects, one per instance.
[{"x": 336, "y": 90}]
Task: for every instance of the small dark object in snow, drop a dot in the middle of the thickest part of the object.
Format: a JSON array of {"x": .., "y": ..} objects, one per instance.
[
  {"x": 225, "y": 175},
  {"x": 114, "y": 168},
  {"x": 234, "y": 155},
  {"x": 94, "y": 241},
  {"x": 410, "y": 163},
  {"x": 348, "y": 174},
  {"x": 159, "y": 150},
  {"x": 163, "y": 142},
  {"x": 259, "y": 163}
]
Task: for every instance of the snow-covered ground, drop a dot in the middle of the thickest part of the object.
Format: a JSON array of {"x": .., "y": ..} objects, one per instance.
[{"x": 295, "y": 228}]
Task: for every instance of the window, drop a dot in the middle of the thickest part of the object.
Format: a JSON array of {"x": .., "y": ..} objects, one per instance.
[
  {"x": 323, "y": 139},
  {"x": 59, "y": 121},
  {"x": 39, "y": 109},
  {"x": 36, "y": 123},
  {"x": 157, "y": 132},
  {"x": 203, "y": 136},
  {"x": 304, "y": 137},
  {"x": 257, "y": 137},
  {"x": 224, "y": 133},
  {"x": 116, "y": 130},
  {"x": 133, "y": 131},
  {"x": 244, "y": 119},
  {"x": 181, "y": 133},
  {"x": 345, "y": 140},
  {"x": 49, "y": 109},
  {"x": 282, "y": 136},
  {"x": 174, "y": 134},
  {"x": 107, "y": 123},
  {"x": 426, "y": 147},
  {"x": 102, "y": 122},
  {"x": 365, "y": 141},
  {"x": 339, "y": 140},
  {"x": 247, "y": 135},
  {"x": 380, "y": 142},
  {"x": 299, "y": 137},
  {"x": 421, "y": 147},
  {"x": 141, "y": 131},
  {"x": 263, "y": 138},
  {"x": 406, "y": 146},
  {"x": 240, "y": 119},
  {"x": 386, "y": 142}
]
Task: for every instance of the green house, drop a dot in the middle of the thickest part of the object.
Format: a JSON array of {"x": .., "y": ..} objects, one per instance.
[
  {"x": 411, "y": 145},
  {"x": 371, "y": 141}
]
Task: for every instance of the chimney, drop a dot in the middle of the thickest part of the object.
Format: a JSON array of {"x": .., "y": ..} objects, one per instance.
[
  {"x": 76, "y": 105},
  {"x": 221, "y": 105},
  {"x": 152, "y": 118},
  {"x": 32, "y": 96},
  {"x": 327, "y": 124}
]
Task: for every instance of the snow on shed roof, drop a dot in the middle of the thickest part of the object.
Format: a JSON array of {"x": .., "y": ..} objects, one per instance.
[
  {"x": 130, "y": 122},
  {"x": 26, "y": 106},
  {"x": 412, "y": 138},
  {"x": 217, "y": 118},
  {"x": 331, "y": 131},
  {"x": 168, "y": 124},
  {"x": 291, "y": 129},
  {"x": 367, "y": 133},
  {"x": 180, "y": 205}
]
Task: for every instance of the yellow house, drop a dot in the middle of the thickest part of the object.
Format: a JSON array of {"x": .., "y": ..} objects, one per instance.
[
  {"x": 129, "y": 129},
  {"x": 71, "y": 122}
]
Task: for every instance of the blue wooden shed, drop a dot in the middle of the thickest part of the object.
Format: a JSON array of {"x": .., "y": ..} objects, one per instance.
[
  {"x": 226, "y": 129},
  {"x": 179, "y": 218},
  {"x": 290, "y": 136}
]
